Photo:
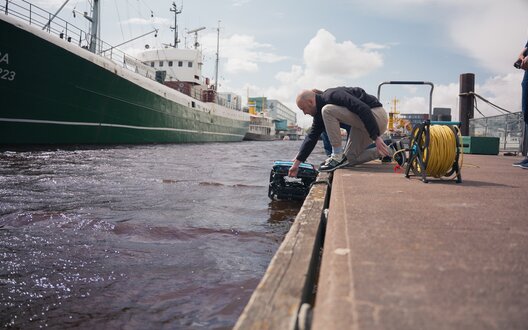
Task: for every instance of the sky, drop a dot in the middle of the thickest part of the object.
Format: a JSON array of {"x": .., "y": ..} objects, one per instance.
[{"x": 276, "y": 48}]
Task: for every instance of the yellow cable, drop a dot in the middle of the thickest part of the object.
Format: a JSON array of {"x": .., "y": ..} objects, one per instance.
[{"x": 442, "y": 151}]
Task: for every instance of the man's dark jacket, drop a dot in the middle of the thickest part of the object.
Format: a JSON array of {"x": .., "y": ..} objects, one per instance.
[{"x": 353, "y": 98}]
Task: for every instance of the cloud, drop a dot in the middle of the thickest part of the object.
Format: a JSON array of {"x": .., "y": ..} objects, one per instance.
[
  {"x": 235, "y": 65},
  {"x": 326, "y": 57},
  {"x": 242, "y": 52},
  {"x": 490, "y": 32},
  {"x": 152, "y": 21},
  {"x": 326, "y": 63},
  {"x": 372, "y": 45}
]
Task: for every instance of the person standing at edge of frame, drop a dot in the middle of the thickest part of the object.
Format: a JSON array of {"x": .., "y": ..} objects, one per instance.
[{"x": 522, "y": 63}]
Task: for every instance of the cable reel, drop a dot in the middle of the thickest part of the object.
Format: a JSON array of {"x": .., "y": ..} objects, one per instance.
[{"x": 435, "y": 151}]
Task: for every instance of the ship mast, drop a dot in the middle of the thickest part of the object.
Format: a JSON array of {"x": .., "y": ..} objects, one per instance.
[
  {"x": 175, "y": 27},
  {"x": 94, "y": 33}
]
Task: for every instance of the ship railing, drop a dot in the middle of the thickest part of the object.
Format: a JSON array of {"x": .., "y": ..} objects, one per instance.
[
  {"x": 41, "y": 18},
  {"x": 34, "y": 15}
]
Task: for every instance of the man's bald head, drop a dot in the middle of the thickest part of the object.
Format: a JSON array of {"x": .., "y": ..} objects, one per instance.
[{"x": 306, "y": 102}]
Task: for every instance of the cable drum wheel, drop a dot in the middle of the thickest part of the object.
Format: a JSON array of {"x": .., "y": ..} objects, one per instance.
[{"x": 419, "y": 147}]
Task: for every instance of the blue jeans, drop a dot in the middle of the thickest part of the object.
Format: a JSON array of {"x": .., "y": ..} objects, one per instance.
[
  {"x": 524, "y": 107},
  {"x": 524, "y": 98}
]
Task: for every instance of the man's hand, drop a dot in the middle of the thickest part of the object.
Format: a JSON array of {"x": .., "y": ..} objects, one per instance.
[
  {"x": 381, "y": 147},
  {"x": 294, "y": 169},
  {"x": 524, "y": 63}
]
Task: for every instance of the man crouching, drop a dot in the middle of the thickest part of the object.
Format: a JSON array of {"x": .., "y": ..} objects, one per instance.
[{"x": 348, "y": 105}]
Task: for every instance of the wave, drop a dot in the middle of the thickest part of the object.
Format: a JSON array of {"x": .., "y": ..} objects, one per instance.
[
  {"x": 235, "y": 185},
  {"x": 145, "y": 232}
]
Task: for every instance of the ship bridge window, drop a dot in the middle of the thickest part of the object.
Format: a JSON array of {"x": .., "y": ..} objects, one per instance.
[
  {"x": 190, "y": 64},
  {"x": 170, "y": 63},
  {"x": 152, "y": 64},
  {"x": 180, "y": 63},
  {"x": 161, "y": 63}
]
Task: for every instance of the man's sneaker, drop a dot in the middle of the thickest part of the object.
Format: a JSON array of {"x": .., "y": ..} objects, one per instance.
[
  {"x": 524, "y": 166},
  {"x": 326, "y": 160},
  {"x": 333, "y": 163},
  {"x": 521, "y": 163}
]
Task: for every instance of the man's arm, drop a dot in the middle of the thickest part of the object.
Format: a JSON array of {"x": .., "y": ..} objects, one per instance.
[
  {"x": 308, "y": 144},
  {"x": 306, "y": 149}
]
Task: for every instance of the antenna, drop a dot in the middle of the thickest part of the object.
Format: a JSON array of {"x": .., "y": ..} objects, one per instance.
[
  {"x": 217, "y": 55},
  {"x": 195, "y": 31},
  {"x": 175, "y": 27}
]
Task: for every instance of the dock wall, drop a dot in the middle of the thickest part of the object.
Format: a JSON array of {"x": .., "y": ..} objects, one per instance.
[{"x": 283, "y": 298}]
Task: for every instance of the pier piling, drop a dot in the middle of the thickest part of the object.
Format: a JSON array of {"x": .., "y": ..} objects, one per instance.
[{"x": 466, "y": 101}]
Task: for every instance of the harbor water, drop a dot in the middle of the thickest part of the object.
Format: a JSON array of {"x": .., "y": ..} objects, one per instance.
[{"x": 137, "y": 237}]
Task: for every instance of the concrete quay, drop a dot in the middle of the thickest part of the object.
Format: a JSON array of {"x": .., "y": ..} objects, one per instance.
[{"x": 398, "y": 253}]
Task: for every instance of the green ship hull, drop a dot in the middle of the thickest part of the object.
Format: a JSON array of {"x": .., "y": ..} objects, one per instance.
[{"x": 54, "y": 92}]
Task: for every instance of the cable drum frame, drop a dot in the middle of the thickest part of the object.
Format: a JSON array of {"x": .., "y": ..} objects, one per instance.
[
  {"x": 416, "y": 152},
  {"x": 419, "y": 154}
]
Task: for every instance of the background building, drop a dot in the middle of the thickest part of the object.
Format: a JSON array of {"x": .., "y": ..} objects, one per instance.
[
  {"x": 258, "y": 105},
  {"x": 279, "y": 111},
  {"x": 441, "y": 114},
  {"x": 284, "y": 118},
  {"x": 230, "y": 100},
  {"x": 414, "y": 118}
]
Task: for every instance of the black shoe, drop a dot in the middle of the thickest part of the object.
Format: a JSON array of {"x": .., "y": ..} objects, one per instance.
[{"x": 332, "y": 164}]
